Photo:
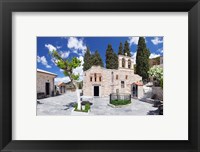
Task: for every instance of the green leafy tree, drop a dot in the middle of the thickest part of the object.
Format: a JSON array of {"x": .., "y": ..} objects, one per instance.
[
  {"x": 120, "y": 51},
  {"x": 96, "y": 59},
  {"x": 87, "y": 60},
  {"x": 68, "y": 66},
  {"x": 134, "y": 68},
  {"x": 127, "y": 49},
  {"x": 156, "y": 73},
  {"x": 142, "y": 59},
  {"x": 111, "y": 58}
]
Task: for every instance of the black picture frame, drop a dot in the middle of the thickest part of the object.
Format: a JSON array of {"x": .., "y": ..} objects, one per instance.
[{"x": 9, "y": 6}]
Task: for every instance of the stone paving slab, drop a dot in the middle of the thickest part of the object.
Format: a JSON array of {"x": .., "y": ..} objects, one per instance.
[{"x": 58, "y": 106}]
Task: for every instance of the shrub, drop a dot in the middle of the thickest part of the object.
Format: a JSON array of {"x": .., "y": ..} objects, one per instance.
[
  {"x": 120, "y": 102},
  {"x": 161, "y": 83},
  {"x": 156, "y": 73},
  {"x": 75, "y": 106},
  {"x": 87, "y": 108}
]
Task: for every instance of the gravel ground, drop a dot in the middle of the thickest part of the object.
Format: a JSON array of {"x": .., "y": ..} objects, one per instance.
[{"x": 62, "y": 105}]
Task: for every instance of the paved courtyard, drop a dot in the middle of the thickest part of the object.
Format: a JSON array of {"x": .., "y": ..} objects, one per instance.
[{"x": 62, "y": 105}]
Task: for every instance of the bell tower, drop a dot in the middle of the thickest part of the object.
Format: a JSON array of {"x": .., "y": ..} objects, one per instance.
[{"x": 125, "y": 62}]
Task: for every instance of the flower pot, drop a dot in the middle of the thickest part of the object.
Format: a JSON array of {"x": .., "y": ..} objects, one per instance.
[{"x": 83, "y": 107}]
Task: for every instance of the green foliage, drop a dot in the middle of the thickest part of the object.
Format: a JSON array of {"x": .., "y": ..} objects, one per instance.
[
  {"x": 92, "y": 59},
  {"x": 120, "y": 102},
  {"x": 161, "y": 83},
  {"x": 87, "y": 60},
  {"x": 66, "y": 73},
  {"x": 96, "y": 59},
  {"x": 75, "y": 62},
  {"x": 111, "y": 58},
  {"x": 120, "y": 51},
  {"x": 61, "y": 64},
  {"x": 67, "y": 65},
  {"x": 127, "y": 49},
  {"x": 156, "y": 73},
  {"x": 134, "y": 68},
  {"x": 75, "y": 77},
  {"x": 87, "y": 108},
  {"x": 142, "y": 59}
]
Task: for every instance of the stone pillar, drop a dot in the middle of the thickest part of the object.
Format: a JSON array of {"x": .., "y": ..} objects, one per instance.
[
  {"x": 120, "y": 63},
  {"x": 132, "y": 65}
]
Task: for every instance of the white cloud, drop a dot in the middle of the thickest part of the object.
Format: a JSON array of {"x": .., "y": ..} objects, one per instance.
[
  {"x": 77, "y": 45},
  {"x": 153, "y": 55},
  {"x": 63, "y": 79},
  {"x": 160, "y": 50},
  {"x": 58, "y": 47},
  {"x": 54, "y": 61},
  {"x": 50, "y": 47},
  {"x": 64, "y": 54},
  {"x": 157, "y": 40},
  {"x": 75, "y": 51},
  {"x": 133, "y": 56},
  {"x": 43, "y": 61},
  {"x": 133, "y": 40},
  {"x": 61, "y": 70}
]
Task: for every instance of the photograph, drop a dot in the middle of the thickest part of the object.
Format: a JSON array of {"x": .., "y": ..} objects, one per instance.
[{"x": 91, "y": 76}]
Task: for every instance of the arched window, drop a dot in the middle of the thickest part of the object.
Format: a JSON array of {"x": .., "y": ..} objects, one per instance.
[
  {"x": 116, "y": 77},
  {"x": 122, "y": 84},
  {"x": 123, "y": 63},
  {"x": 129, "y": 63},
  {"x": 95, "y": 77}
]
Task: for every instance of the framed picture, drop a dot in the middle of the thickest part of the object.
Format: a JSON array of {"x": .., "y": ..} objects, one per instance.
[{"x": 99, "y": 75}]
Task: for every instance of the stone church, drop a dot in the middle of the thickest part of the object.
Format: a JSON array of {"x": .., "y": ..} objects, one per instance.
[{"x": 101, "y": 82}]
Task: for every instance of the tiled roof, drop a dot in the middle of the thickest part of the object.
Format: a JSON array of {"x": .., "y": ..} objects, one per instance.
[{"x": 138, "y": 83}]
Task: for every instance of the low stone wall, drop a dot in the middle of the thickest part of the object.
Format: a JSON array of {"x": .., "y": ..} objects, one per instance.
[
  {"x": 147, "y": 92},
  {"x": 153, "y": 92}
]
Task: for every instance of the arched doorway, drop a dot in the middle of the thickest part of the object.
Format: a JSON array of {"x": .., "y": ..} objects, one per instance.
[
  {"x": 96, "y": 91},
  {"x": 134, "y": 90}
]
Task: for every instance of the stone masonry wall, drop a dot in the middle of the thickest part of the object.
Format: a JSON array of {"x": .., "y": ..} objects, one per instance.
[
  {"x": 42, "y": 78},
  {"x": 110, "y": 81}
]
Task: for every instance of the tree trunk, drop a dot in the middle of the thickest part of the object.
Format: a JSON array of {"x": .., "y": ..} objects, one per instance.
[{"x": 78, "y": 96}]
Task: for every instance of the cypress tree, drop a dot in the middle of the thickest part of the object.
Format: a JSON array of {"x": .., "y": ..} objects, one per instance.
[
  {"x": 115, "y": 61},
  {"x": 142, "y": 59},
  {"x": 111, "y": 58},
  {"x": 87, "y": 60},
  {"x": 127, "y": 49},
  {"x": 120, "y": 51},
  {"x": 96, "y": 59}
]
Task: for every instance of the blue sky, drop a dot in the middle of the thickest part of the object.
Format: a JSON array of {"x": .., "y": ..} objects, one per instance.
[{"x": 75, "y": 47}]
